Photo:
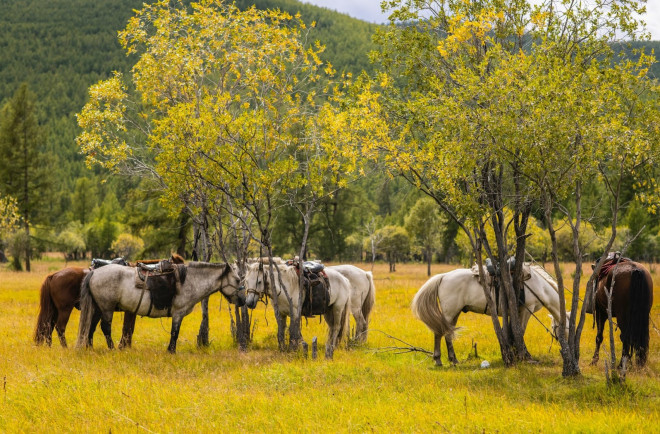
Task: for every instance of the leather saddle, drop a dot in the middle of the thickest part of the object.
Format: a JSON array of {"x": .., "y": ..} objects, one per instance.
[
  {"x": 98, "y": 263},
  {"x": 161, "y": 280},
  {"x": 493, "y": 273},
  {"x": 316, "y": 288}
]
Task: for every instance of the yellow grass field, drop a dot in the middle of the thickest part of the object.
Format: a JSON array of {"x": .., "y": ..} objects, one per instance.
[{"x": 218, "y": 389}]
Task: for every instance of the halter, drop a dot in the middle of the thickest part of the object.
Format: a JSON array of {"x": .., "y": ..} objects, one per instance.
[
  {"x": 262, "y": 295},
  {"x": 237, "y": 289}
]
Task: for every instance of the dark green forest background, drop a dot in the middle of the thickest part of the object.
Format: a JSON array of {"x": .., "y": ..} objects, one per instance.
[{"x": 61, "y": 47}]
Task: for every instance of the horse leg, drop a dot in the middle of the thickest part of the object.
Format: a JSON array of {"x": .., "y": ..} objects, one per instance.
[
  {"x": 626, "y": 351},
  {"x": 60, "y": 326},
  {"x": 96, "y": 317},
  {"x": 174, "y": 334},
  {"x": 106, "y": 328},
  {"x": 437, "y": 349},
  {"x": 331, "y": 318},
  {"x": 49, "y": 330},
  {"x": 203, "y": 335},
  {"x": 360, "y": 327},
  {"x": 449, "y": 342},
  {"x": 600, "y": 326},
  {"x": 127, "y": 330}
]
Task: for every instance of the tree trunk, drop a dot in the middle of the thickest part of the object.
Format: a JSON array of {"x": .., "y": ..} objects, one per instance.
[
  {"x": 570, "y": 365},
  {"x": 429, "y": 255}
]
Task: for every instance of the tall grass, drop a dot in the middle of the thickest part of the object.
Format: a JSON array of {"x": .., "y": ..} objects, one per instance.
[{"x": 362, "y": 389}]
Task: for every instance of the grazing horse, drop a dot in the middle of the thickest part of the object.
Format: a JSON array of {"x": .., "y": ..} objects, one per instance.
[
  {"x": 339, "y": 305},
  {"x": 440, "y": 301},
  {"x": 363, "y": 297},
  {"x": 60, "y": 293},
  {"x": 632, "y": 298},
  {"x": 114, "y": 287}
]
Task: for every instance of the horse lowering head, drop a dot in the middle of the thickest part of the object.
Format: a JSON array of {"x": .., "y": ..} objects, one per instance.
[{"x": 555, "y": 325}]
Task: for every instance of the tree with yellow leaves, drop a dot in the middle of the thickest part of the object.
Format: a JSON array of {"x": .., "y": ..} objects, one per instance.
[
  {"x": 224, "y": 114},
  {"x": 495, "y": 105}
]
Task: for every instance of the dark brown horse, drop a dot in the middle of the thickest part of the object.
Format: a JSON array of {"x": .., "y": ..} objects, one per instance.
[
  {"x": 632, "y": 298},
  {"x": 60, "y": 293}
]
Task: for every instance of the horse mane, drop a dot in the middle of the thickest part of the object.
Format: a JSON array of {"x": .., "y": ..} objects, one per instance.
[
  {"x": 545, "y": 275},
  {"x": 177, "y": 259}
]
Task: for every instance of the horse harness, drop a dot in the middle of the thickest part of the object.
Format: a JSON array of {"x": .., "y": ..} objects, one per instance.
[
  {"x": 316, "y": 287},
  {"x": 494, "y": 272},
  {"x": 162, "y": 280},
  {"x": 98, "y": 263},
  {"x": 608, "y": 266}
]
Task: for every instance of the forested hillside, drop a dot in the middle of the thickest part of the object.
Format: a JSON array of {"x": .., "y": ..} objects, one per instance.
[{"x": 61, "y": 47}]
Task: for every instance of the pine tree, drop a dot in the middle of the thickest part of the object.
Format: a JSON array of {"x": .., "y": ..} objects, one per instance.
[{"x": 23, "y": 171}]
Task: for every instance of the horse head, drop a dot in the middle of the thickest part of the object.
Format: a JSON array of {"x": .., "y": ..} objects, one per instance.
[
  {"x": 231, "y": 286},
  {"x": 255, "y": 283},
  {"x": 555, "y": 325}
]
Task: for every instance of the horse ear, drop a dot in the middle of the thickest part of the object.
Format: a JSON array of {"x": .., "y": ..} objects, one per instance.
[{"x": 593, "y": 267}]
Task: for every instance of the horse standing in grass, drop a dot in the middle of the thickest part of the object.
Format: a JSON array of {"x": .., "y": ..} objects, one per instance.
[
  {"x": 59, "y": 294},
  {"x": 440, "y": 301},
  {"x": 114, "y": 287},
  {"x": 257, "y": 282},
  {"x": 363, "y": 297},
  {"x": 632, "y": 298}
]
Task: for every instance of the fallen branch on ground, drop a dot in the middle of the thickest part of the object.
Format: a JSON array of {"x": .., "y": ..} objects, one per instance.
[{"x": 400, "y": 350}]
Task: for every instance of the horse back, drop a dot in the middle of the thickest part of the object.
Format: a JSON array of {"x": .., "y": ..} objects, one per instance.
[
  {"x": 340, "y": 287},
  {"x": 630, "y": 278},
  {"x": 64, "y": 286}
]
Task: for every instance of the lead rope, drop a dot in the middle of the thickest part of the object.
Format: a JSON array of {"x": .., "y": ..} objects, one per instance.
[{"x": 552, "y": 336}]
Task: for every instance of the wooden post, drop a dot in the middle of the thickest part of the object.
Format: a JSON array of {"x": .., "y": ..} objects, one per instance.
[
  {"x": 305, "y": 348},
  {"x": 314, "y": 348}
]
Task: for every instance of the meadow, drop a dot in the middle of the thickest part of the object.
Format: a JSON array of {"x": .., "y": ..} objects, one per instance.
[{"x": 368, "y": 388}]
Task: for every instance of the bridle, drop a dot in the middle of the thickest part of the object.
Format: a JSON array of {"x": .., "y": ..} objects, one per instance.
[
  {"x": 237, "y": 289},
  {"x": 261, "y": 295}
]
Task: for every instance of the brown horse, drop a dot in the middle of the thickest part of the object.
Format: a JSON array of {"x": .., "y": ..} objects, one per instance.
[
  {"x": 60, "y": 293},
  {"x": 632, "y": 298}
]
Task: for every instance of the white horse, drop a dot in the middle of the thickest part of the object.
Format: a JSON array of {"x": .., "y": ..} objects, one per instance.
[
  {"x": 440, "y": 301},
  {"x": 113, "y": 288},
  {"x": 363, "y": 297},
  {"x": 257, "y": 283}
]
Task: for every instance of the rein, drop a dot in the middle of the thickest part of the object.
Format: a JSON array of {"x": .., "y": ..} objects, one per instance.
[{"x": 533, "y": 314}]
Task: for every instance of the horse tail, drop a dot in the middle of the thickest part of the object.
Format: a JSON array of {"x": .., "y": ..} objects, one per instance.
[
  {"x": 639, "y": 306},
  {"x": 344, "y": 327},
  {"x": 426, "y": 307},
  {"x": 47, "y": 311},
  {"x": 86, "y": 312},
  {"x": 369, "y": 301}
]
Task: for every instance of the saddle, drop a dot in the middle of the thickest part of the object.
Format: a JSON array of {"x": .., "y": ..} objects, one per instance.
[
  {"x": 610, "y": 262},
  {"x": 493, "y": 273},
  {"x": 98, "y": 263},
  {"x": 316, "y": 288},
  {"x": 161, "y": 280}
]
